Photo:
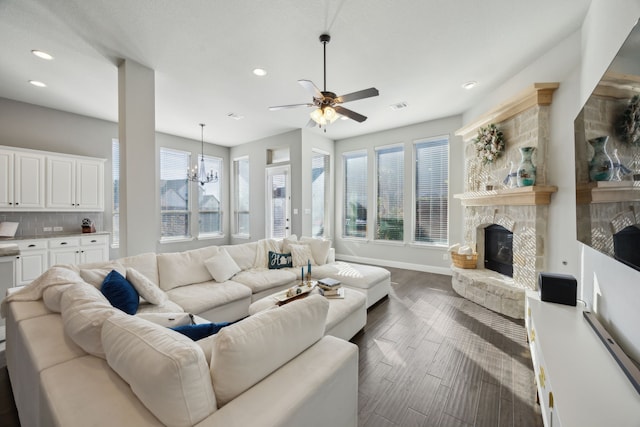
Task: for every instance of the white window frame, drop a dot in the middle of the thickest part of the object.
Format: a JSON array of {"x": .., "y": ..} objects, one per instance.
[
  {"x": 196, "y": 221},
  {"x": 189, "y": 210},
  {"x": 327, "y": 192},
  {"x": 376, "y": 194},
  {"x": 115, "y": 211},
  {"x": 413, "y": 191}
]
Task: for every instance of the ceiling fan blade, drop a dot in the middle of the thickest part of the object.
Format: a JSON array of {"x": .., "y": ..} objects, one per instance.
[
  {"x": 361, "y": 94},
  {"x": 282, "y": 107},
  {"x": 351, "y": 114},
  {"x": 311, "y": 124},
  {"x": 311, "y": 88}
]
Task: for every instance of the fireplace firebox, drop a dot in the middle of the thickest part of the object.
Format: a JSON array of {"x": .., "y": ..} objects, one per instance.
[
  {"x": 498, "y": 249},
  {"x": 626, "y": 246}
]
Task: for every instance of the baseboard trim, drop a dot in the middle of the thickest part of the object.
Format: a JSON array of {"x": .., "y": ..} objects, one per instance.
[{"x": 395, "y": 264}]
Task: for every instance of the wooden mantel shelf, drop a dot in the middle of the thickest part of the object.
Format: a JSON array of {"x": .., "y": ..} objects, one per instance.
[
  {"x": 608, "y": 192},
  {"x": 521, "y": 196},
  {"x": 536, "y": 94}
]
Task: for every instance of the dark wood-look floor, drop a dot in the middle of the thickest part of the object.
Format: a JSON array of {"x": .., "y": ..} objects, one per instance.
[
  {"x": 431, "y": 358},
  {"x": 428, "y": 358}
]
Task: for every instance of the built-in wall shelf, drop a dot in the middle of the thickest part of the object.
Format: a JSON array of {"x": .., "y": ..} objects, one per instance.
[
  {"x": 536, "y": 94},
  {"x": 618, "y": 86},
  {"x": 521, "y": 196},
  {"x": 608, "y": 192}
]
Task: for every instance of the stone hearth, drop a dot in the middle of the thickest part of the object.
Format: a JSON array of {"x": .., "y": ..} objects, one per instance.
[{"x": 523, "y": 211}]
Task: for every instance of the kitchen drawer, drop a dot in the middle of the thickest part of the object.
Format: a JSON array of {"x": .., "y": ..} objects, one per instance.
[
  {"x": 94, "y": 240},
  {"x": 28, "y": 245},
  {"x": 63, "y": 242}
]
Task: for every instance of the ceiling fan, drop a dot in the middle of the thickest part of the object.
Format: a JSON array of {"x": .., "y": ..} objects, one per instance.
[{"x": 327, "y": 104}]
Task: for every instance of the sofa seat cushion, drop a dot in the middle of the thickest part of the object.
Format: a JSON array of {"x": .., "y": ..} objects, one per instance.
[
  {"x": 260, "y": 279},
  {"x": 201, "y": 297},
  {"x": 166, "y": 370},
  {"x": 105, "y": 399},
  {"x": 248, "y": 351},
  {"x": 168, "y": 307},
  {"x": 354, "y": 275},
  {"x": 184, "y": 268}
]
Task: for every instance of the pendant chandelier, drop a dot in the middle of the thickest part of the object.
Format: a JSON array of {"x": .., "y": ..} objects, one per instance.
[{"x": 200, "y": 175}]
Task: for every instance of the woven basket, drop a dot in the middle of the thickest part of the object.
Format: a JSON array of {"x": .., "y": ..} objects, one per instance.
[{"x": 464, "y": 261}]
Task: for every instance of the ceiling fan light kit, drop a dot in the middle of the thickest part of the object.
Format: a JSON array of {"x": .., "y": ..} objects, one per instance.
[{"x": 327, "y": 103}]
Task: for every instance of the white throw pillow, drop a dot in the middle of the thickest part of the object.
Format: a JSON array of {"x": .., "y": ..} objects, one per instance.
[
  {"x": 301, "y": 255},
  {"x": 146, "y": 288},
  {"x": 221, "y": 266},
  {"x": 243, "y": 254},
  {"x": 319, "y": 248},
  {"x": 262, "y": 252},
  {"x": 291, "y": 240},
  {"x": 84, "y": 310},
  {"x": 95, "y": 276},
  {"x": 247, "y": 351},
  {"x": 166, "y": 370}
]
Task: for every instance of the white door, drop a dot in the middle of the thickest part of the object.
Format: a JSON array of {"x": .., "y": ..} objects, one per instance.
[
  {"x": 29, "y": 181},
  {"x": 90, "y": 185},
  {"x": 6, "y": 179},
  {"x": 61, "y": 179},
  {"x": 278, "y": 202}
]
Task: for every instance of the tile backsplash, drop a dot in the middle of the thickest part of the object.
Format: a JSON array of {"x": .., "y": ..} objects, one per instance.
[{"x": 32, "y": 224}]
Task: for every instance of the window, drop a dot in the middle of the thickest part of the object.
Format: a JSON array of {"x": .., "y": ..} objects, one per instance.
[
  {"x": 432, "y": 191},
  {"x": 209, "y": 201},
  {"x": 278, "y": 202},
  {"x": 390, "y": 191},
  {"x": 115, "y": 180},
  {"x": 355, "y": 195},
  {"x": 319, "y": 194},
  {"x": 241, "y": 196},
  {"x": 174, "y": 194}
]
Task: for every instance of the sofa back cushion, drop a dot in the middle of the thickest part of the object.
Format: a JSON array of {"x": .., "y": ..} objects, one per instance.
[
  {"x": 248, "y": 351},
  {"x": 166, "y": 370},
  {"x": 146, "y": 264},
  {"x": 184, "y": 268},
  {"x": 84, "y": 310},
  {"x": 244, "y": 254},
  {"x": 319, "y": 248},
  {"x": 95, "y": 273}
]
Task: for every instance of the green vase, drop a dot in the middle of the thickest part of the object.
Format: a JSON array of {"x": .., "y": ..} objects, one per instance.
[
  {"x": 601, "y": 165},
  {"x": 526, "y": 170}
]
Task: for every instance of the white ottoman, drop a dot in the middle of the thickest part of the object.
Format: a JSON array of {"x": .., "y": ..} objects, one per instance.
[{"x": 345, "y": 318}]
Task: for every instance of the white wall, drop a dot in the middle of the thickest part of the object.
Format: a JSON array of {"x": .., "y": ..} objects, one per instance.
[{"x": 405, "y": 254}]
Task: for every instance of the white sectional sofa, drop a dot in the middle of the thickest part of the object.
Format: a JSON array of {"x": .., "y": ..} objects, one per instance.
[{"x": 74, "y": 360}]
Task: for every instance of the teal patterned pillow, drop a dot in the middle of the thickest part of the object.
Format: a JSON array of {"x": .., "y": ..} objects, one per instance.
[{"x": 277, "y": 260}]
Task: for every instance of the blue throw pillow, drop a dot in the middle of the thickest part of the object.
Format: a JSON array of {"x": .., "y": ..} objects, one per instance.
[
  {"x": 203, "y": 330},
  {"x": 277, "y": 260},
  {"x": 120, "y": 293}
]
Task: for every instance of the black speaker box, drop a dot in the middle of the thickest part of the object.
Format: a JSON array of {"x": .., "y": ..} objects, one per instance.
[{"x": 559, "y": 288}]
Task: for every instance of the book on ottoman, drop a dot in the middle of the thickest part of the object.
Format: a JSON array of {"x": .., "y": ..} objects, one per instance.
[
  {"x": 333, "y": 293},
  {"x": 328, "y": 283}
]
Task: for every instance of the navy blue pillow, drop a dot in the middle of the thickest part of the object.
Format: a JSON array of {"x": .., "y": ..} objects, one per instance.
[
  {"x": 120, "y": 293},
  {"x": 203, "y": 330},
  {"x": 277, "y": 260}
]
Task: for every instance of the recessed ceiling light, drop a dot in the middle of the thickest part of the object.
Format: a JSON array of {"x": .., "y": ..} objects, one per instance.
[
  {"x": 42, "y": 55},
  {"x": 398, "y": 106},
  {"x": 260, "y": 72},
  {"x": 37, "y": 83},
  {"x": 469, "y": 85}
]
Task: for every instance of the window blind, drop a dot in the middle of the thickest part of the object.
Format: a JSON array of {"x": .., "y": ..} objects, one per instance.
[
  {"x": 390, "y": 193},
  {"x": 355, "y": 195},
  {"x": 241, "y": 196},
  {"x": 319, "y": 194},
  {"x": 174, "y": 193},
  {"x": 432, "y": 191},
  {"x": 115, "y": 180}
]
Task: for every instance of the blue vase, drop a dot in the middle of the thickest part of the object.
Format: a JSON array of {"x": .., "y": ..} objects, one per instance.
[
  {"x": 526, "y": 170},
  {"x": 601, "y": 165}
]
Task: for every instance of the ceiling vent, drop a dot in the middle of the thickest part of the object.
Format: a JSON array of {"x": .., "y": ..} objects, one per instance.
[{"x": 398, "y": 106}]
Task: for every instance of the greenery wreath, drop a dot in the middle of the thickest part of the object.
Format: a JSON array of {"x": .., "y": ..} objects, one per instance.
[
  {"x": 489, "y": 143},
  {"x": 629, "y": 126}
]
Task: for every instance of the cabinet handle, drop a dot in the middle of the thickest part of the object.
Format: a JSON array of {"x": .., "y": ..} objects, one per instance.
[
  {"x": 94, "y": 241},
  {"x": 17, "y": 203},
  {"x": 32, "y": 246},
  {"x": 63, "y": 243},
  {"x": 10, "y": 203}
]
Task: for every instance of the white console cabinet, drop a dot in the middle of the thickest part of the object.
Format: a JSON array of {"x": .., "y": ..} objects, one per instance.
[
  {"x": 36, "y": 255},
  {"x": 579, "y": 383}
]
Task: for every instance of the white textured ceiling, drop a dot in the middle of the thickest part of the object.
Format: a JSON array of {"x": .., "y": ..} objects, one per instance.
[{"x": 203, "y": 53}]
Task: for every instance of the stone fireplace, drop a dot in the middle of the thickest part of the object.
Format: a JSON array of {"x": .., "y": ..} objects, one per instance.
[{"x": 522, "y": 211}]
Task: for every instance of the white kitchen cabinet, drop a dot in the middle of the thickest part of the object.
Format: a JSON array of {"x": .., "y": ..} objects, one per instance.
[
  {"x": 31, "y": 262},
  {"x": 94, "y": 248},
  {"x": 75, "y": 184},
  {"x": 78, "y": 250},
  {"x": 22, "y": 180}
]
